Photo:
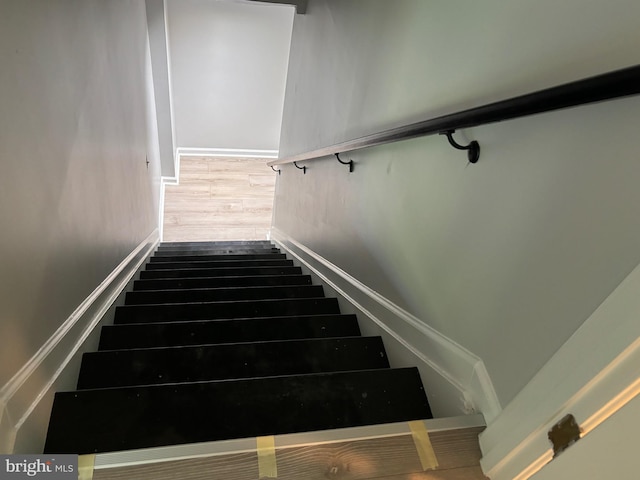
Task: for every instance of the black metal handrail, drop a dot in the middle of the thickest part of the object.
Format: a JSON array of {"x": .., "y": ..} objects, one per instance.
[{"x": 608, "y": 86}]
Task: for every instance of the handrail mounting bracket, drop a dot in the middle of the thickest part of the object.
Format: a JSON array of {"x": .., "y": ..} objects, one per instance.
[
  {"x": 473, "y": 149},
  {"x": 350, "y": 162},
  {"x": 303, "y": 168}
]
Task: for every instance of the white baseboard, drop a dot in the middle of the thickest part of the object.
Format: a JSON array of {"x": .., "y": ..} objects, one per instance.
[
  {"x": 593, "y": 375},
  {"x": 24, "y": 393},
  {"x": 225, "y": 152},
  {"x": 457, "y": 380}
]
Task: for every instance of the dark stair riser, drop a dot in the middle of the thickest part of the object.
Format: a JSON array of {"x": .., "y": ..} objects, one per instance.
[
  {"x": 118, "y": 419},
  {"x": 149, "y": 335},
  {"x": 224, "y": 310},
  {"x": 219, "y": 272},
  {"x": 220, "y": 282},
  {"x": 222, "y": 294},
  {"x": 213, "y": 258},
  {"x": 229, "y": 361}
]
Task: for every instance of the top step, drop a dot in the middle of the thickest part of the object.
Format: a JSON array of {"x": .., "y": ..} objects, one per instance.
[
  {"x": 221, "y": 250},
  {"x": 216, "y": 243}
]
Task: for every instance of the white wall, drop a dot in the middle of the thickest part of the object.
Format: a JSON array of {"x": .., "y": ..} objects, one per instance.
[
  {"x": 360, "y": 67},
  {"x": 228, "y": 70},
  {"x": 507, "y": 257},
  {"x": 76, "y": 196}
]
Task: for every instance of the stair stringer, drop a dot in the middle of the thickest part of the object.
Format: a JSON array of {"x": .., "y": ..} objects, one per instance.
[
  {"x": 458, "y": 382},
  {"x": 25, "y": 401}
]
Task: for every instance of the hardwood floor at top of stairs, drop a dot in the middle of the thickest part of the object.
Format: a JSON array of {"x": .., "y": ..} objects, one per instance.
[{"x": 219, "y": 199}]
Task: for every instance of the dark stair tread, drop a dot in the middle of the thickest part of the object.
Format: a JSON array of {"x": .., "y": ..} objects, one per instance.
[
  {"x": 212, "y": 258},
  {"x": 219, "y": 264},
  {"x": 151, "y": 297},
  {"x": 219, "y": 272},
  {"x": 149, "y": 366},
  {"x": 117, "y": 419},
  {"x": 227, "y": 310},
  {"x": 220, "y": 282},
  {"x": 198, "y": 332}
]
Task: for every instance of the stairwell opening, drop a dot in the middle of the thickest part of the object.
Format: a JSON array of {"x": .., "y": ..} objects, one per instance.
[{"x": 219, "y": 198}]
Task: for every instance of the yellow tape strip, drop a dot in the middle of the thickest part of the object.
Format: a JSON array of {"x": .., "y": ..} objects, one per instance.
[
  {"x": 423, "y": 445},
  {"x": 267, "y": 467},
  {"x": 85, "y": 467}
]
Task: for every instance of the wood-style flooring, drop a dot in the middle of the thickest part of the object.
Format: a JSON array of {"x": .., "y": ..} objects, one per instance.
[
  {"x": 219, "y": 198},
  {"x": 387, "y": 458}
]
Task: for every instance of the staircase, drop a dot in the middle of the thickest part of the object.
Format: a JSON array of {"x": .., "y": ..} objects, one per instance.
[{"x": 225, "y": 340}]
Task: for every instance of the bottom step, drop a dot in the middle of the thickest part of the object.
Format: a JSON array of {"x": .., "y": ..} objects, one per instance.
[
  {"x": 116, "y": 419},
  {"x": 374, "y": 451}
]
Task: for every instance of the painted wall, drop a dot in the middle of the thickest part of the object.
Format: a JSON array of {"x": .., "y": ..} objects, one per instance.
[
  {"x": 76, "y": 196},
  {"x": 228, "y": 71},
  {"x": 507, "y": 257}
]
